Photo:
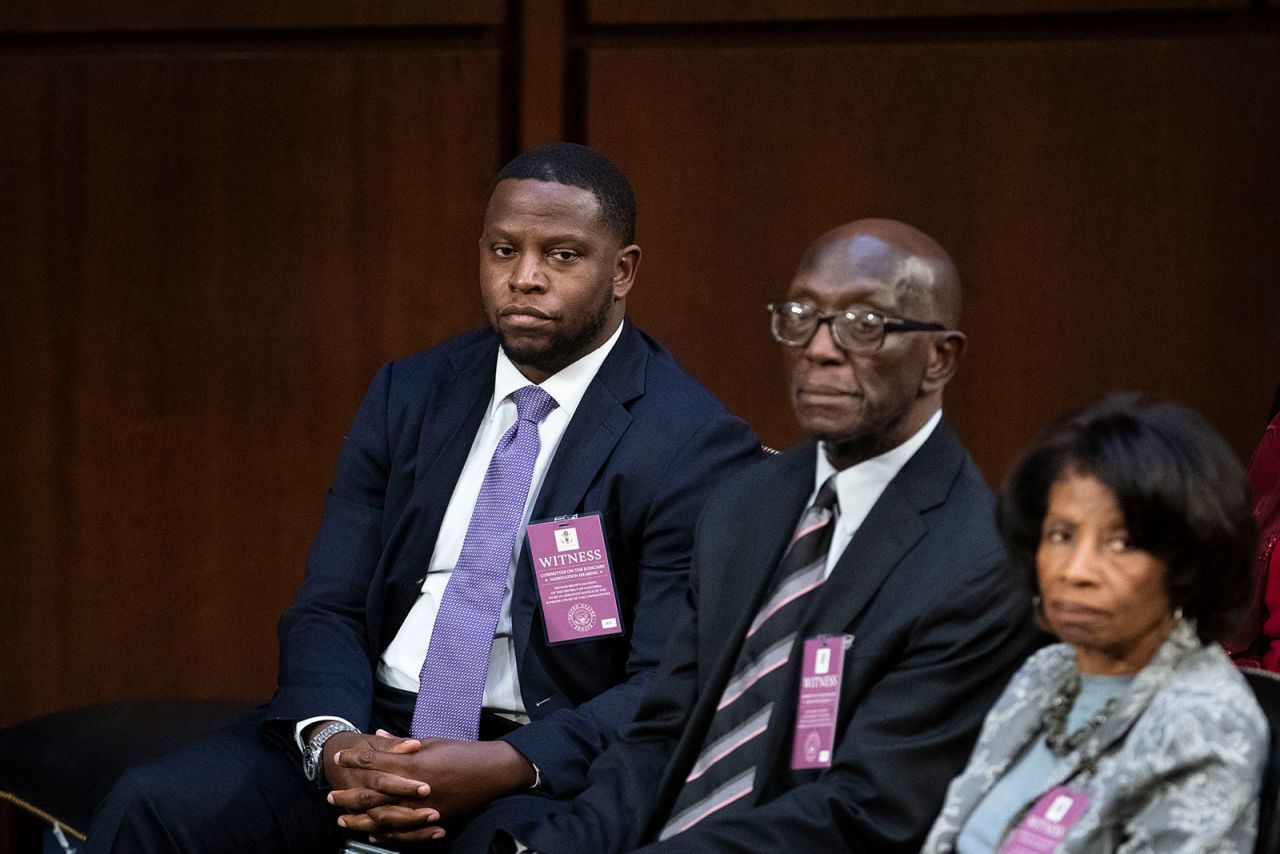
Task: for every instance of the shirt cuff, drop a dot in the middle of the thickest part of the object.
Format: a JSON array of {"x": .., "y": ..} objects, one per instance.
[
  {"x": 505, "y": 843},
  {"x": 302, "y": 725}
]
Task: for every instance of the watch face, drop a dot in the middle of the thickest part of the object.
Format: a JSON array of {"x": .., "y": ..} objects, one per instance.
[
  {"x": 312, "y": 765},
  {"x": 309, "y": 764}
]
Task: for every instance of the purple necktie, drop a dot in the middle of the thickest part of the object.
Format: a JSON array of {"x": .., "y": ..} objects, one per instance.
[{"x": 451, "y": 684}]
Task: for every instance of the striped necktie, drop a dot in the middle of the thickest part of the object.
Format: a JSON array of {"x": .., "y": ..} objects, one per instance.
[{"x": 725, "y": 771}]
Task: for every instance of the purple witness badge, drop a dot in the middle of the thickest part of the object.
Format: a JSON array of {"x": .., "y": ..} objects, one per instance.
[
  {"x": 575, "y": 583},
  {"x": 819, "y": 701},
  {"x": 1048, "y": 823}
]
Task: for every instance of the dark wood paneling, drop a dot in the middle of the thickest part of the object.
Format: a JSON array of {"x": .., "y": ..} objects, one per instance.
[
  {"x": 38, "y": 16},
  {"x": 542, "y": 72},
  {"x": 206, "y": 256},
  {"x": 1110, "y": 204},
  {"x": 735, "y": 11}
]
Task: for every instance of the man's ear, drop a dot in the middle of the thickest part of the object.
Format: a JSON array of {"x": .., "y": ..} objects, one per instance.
[
  {"x": 944, "y": 359},
  {"x": 625, "y": 264}
]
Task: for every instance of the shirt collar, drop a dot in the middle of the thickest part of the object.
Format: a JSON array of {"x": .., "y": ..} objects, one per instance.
[
  {"x": 567, "y": 386},
  {"x": 876, "y": 472}
]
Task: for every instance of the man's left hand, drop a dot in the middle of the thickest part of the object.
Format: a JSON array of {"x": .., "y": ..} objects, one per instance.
[{"x": 463, "y": 775}]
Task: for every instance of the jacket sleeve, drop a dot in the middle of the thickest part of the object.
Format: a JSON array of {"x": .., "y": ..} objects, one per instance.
[
  {"x": 1202, "y": 755},
  {"x": 564, "y": 743}
]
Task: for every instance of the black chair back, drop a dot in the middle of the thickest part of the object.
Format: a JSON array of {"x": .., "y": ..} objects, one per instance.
[
  {"x": 59, "y": 766},
  {"x": 1266, "y": 687}
]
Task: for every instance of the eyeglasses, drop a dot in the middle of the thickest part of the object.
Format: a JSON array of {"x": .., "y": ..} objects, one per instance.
[{"x": 855, "y": 330}]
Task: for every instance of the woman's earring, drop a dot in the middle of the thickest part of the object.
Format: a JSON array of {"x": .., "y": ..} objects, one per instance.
[{"x": 1037, "y": 607}]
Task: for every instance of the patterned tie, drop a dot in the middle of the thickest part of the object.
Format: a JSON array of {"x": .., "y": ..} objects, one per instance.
[
  {"x": 451, "y": 686},
  {"x": 732, "y": 749}
]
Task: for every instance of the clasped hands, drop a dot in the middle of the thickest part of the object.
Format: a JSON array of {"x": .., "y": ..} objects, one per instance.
[{"x": 400, "y": 789}]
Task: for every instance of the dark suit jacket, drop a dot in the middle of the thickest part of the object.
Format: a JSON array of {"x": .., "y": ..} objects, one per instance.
[
  {"x": 938, "y": 626},
  {"x": 643, "y": 447}
]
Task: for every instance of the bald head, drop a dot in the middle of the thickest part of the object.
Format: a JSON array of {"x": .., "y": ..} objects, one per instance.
[
  {"x": 919, "y": 270},
  {"x": 862, "y": 402}
]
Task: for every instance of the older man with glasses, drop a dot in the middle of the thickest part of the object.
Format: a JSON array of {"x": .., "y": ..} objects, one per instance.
[{"x": 849, "y": 620}]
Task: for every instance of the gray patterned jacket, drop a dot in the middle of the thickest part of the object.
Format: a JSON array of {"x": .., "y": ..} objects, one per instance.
[{"x": 1177, "y": 767}]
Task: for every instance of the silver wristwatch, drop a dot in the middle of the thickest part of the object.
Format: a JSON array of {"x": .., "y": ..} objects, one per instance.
[{"x": 312, "y": 765}]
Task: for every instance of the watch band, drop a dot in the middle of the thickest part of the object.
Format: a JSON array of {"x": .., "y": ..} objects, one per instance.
[{"x": 312, "y": 766}]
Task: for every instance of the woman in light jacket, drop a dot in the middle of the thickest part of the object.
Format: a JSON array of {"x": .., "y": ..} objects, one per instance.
[{"x": 1135, "y": 733}]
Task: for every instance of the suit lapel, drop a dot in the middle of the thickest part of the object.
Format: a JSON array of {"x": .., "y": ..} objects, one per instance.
[
  {"x": 734, "y": 591},
  {"x": 597, "y": 425},
  {"x": 893, "y": 526},
  {"x": 449, "y": 425},
  {"x": 889, "y": 531},
  {"x": 450, "y": 428}
]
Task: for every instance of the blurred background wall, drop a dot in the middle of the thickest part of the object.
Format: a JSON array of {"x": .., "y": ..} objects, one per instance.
[{"x": 218, "y": 219}]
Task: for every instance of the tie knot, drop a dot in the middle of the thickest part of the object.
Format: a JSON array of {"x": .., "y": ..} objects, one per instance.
[
  {"x": 827, "y": 498},
  {"x": 533, "y": 404}
]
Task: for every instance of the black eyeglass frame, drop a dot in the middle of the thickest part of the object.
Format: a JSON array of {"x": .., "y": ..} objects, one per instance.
[{"x": 777, "y": 312}]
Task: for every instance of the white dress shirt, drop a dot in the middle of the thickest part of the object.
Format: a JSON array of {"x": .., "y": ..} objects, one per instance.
[
  {"x": 860, "y": 486},
  {"x": 402, "y": 660}
]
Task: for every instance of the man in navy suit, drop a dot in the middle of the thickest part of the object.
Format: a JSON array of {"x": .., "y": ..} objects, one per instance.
[
  {"x": 629, "y": 436},
  {"x": 823, "y": 702}
]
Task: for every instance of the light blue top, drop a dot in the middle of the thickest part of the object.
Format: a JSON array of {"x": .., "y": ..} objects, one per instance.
[{"x": 1029, "y": 775}]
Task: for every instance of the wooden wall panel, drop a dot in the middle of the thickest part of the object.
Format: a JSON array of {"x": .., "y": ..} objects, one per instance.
[
  {"x": 738, "y": 11},
  {"x": 207, "y": 255},
  {"x": 39, "y": 16},
  {"x": 1110, "y": 204},
  {"x": 543, "y": 57}
]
